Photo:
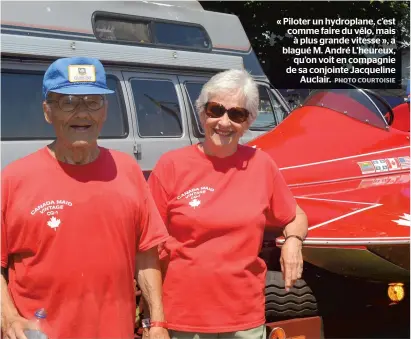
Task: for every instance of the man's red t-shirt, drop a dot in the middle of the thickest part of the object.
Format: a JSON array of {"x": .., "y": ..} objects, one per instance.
[
  {"x": 70, "y": 234},
  {"x": 216, "y": 210}
]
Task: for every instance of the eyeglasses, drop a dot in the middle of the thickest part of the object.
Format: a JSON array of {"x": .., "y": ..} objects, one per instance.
[
  {"x": 68, "y": 103},
  {"x": 236, "y": 114}
]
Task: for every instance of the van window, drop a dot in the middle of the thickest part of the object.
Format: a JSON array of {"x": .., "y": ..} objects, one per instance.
[
  {"x": 265, "y": 118},
  {"x": 22, "y": 111},
  {"x": 158, "y": 109},
  {"x": 193, "y": 90},
  {"x": 123, "y": 31},
  {"x": 21, "y": 107},
  {"x": 132, "y": 30},
  {"x": 269, "y": 108},
  {"x": 181, "y": 35},
  {"x": 252, "y": 64},
  {"x": 116, "y": 125}
]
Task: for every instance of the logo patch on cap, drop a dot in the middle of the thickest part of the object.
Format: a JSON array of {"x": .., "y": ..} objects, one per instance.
[{"x": 81, "y": 73}]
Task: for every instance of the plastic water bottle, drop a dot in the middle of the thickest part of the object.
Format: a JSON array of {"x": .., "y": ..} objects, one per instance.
[{"x": 38, "y": 323}]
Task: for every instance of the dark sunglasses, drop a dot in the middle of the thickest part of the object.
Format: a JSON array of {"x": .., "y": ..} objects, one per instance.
[
  {"x": 68, "y": 103},
  {"x": 216, "y": 110}
]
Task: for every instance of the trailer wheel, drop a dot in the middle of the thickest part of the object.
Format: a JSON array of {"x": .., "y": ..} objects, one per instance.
[{"x": 279, "y": 304}]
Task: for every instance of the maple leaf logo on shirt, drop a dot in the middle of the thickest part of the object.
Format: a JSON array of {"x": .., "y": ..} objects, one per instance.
[
  {"x": 194, "y": 203},
  {"x": 405, "y": 220},
  {"x": 53, "y": 222}
]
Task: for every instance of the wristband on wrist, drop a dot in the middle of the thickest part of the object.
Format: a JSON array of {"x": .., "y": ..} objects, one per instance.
[
  {"x": 162, "y": 324},
  {"x": 145, "y": 322},
  {"x": 293, "y": 236}
]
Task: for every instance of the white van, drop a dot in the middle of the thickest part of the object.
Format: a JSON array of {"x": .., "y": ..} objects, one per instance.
[{"x": 157, "y": 57}]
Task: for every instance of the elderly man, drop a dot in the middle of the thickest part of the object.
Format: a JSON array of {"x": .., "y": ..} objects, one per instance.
[{"x": 78, "y": 221}]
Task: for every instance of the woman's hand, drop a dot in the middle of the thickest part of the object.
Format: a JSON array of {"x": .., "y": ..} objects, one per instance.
[
  {"x": 291, "y": 253},
  {"x": 291, "y": 262}
]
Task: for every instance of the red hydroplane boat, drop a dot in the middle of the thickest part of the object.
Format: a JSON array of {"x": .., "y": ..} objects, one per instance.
[{"x": 349, "y": 169}]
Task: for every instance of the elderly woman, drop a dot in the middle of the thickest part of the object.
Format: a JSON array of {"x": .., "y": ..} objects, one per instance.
[{"x": 216, "y": 198}]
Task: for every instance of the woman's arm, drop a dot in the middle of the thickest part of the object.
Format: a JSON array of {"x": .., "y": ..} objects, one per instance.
[
  {"x": 299, "y": 226},
  {"x": 291, "y": 252}
]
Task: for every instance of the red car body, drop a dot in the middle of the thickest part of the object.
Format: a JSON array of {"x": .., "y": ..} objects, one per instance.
[
  {"x": 402, "y": 117},
  {"x": 350, "y": 172},
  {"x": 345, "y": 154}
]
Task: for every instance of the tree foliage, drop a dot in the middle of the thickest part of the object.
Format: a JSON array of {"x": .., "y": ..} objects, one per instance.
[{"x": 259, "y": 19}]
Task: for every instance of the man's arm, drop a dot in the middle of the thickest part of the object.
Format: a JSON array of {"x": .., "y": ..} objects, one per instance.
[
  {"x": 150, "y": 282},
  {"x": 12, "y": 324}
]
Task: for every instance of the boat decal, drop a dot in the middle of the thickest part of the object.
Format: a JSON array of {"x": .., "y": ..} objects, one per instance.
[{"x": 404, "y": 220}]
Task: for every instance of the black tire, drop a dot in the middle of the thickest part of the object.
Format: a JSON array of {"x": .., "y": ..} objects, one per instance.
[{"x": 279, "y": 304}]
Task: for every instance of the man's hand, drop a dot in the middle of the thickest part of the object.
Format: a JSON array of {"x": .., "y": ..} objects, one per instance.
[
  {"x": 291, "y": 262},
  {"x": 12, "y": 323},
  {"x": 14, "y": 327},
  {"x": 158, "y": 333}
]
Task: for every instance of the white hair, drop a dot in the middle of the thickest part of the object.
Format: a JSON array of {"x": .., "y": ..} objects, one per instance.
[{"x": 232, "y": 82}]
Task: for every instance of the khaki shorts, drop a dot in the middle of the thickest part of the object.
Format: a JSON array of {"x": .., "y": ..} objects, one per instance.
[{"x": 253, "y": 333}]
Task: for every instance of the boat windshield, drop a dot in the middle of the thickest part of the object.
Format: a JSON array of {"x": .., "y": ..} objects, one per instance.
[{"x": 360, "y": 104}]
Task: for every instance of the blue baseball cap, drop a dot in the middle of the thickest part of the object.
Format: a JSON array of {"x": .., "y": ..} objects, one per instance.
[{"x": 77, "y": 76}]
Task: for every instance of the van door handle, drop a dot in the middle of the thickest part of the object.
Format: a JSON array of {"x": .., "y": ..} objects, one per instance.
[{"x": 137, "y": 150}]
